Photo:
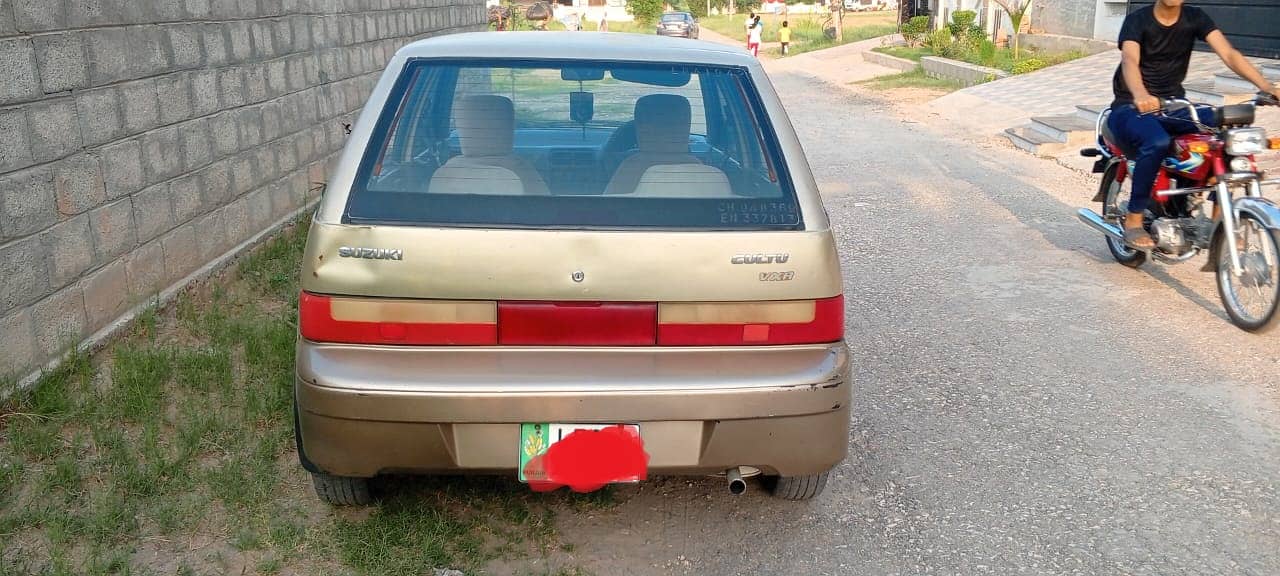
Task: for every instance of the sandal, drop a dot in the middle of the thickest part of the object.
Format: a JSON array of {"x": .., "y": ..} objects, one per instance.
[{"x": 1139, "y": 239}]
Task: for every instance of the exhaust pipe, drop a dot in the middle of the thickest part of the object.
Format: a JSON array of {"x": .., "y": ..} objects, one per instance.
[
  {"x": 736, "y": 484},
  {"x": 1097, "y": 223}
]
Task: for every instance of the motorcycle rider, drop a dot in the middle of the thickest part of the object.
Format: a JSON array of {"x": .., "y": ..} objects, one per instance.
[{"x": 1156, "y": 43}]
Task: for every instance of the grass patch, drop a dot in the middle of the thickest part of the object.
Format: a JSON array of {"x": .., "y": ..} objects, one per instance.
[
  {"x": 913, "y": 79},
  {"x": 806, "y": 30},
  {"x": 907, "y": 52},
  {"x": 1001, "y": 59},
  {"x": 175, "y": 444}
]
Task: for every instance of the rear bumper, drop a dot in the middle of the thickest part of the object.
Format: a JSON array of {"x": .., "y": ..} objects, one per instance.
[
  {"x": 370, "y": 410},
  {"x": 676, "y": 33}
]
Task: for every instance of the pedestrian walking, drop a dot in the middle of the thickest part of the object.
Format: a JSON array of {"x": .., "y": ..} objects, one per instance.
[
  {"x": 746, "y": 27},
  {"x": 753, "y": 37},
  {"x": 604, "y": 23},
  {"x": 784, "y": 37}
]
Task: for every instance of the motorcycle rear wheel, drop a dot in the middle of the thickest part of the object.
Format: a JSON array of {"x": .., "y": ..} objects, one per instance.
[
  {"x": 1115, "y": 200},
  {"x": 1259, "y": 249}
]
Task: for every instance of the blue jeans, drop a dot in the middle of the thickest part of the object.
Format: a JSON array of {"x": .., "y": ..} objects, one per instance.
[{"x": 1145, "y": 139}]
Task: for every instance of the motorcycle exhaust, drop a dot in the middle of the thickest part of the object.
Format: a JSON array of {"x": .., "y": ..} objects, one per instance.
[
  {"x": 736, "y": 484},
  {"x": 1097, "y": 223}
]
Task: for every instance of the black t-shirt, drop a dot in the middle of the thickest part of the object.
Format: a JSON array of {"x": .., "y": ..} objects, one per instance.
[{"x": 1166, "y": 50}]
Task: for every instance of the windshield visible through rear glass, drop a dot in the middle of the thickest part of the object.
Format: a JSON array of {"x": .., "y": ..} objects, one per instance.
[
  {"x": 573, "y": 145},
  {"x": 673, "y": 17}
]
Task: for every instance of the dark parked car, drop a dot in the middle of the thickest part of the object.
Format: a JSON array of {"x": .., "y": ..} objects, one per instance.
[{"x": 681, "y": 24}]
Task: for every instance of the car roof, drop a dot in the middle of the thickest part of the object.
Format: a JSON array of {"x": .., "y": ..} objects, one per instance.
[{"x": 577, "y": 46}]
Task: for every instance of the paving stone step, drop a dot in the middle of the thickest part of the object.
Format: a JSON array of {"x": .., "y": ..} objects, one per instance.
[
  {"x": 1206, "y": 92},
  {"x": 1067, "y": 129},
  {"x": 1230, "y": 82},
  {"x": 1034, "y": 142},
  {"x": 1091, "y": 112}
]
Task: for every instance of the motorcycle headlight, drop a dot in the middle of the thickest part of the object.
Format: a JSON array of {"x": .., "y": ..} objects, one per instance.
[{"x": 1246, "y": 141}]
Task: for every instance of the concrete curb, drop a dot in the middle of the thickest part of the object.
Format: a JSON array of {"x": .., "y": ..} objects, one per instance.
[
  {"x": 102, "y": 337},
  {"x": 888, "y": 61},
  {"x": 962, "y": 72}
]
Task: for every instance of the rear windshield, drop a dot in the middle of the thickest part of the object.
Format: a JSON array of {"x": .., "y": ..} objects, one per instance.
[
  {"x": 674, "y": 17},
  {"x": 573, "y": 145}
]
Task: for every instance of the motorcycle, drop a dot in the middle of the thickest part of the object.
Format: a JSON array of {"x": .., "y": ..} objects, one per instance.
[{"x": 1213, "y": 164}]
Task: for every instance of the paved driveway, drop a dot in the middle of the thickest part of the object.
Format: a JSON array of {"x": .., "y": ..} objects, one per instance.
[{"x": 1023, "y": 404}]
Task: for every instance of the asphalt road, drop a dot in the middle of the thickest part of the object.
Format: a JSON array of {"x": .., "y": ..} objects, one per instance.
[{"x": 1023, "y": 405}]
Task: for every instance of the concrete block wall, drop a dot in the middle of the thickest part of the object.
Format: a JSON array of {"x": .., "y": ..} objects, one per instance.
[{"x": 142, "y": 139}]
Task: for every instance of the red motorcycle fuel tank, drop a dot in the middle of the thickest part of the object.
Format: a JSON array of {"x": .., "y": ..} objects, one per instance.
[{"x": 1191, "y": 157}]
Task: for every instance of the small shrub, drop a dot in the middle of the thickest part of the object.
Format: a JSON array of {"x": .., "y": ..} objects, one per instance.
[
  {"x": 962, "y": 21},
  {"x": 914, "y": 30},
  {"x": 939, "y": 41},
  {"x": 1028, "y": 65},
  {"x": 987, "y": 52},
  {"x": 976, "y": 36}
]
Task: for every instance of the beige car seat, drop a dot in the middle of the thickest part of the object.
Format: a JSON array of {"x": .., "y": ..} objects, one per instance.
[
  {"x": 662, "y": 166},
  {"x": 486, "y": 129}
]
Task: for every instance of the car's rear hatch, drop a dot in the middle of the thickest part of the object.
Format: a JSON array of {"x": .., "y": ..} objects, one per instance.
[{"x": 451, "y": 286}]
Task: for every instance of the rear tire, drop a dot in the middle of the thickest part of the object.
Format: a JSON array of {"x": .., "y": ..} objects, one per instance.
[
  {"x": 341, "y": 490},
  {"x": 1112, "y": 192},
  {"x": 799, "y": 488}
]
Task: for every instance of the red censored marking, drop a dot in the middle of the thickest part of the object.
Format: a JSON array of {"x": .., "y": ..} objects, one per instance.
[{"x": 587, "y": 460}]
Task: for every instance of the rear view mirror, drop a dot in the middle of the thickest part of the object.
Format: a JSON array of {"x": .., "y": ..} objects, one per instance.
[
  {"x": 582, "y": 106},
  {"x": 581, "y": 74}
]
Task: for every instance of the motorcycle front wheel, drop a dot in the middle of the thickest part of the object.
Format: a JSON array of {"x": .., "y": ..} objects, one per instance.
[
  {"x": 1115, "y": 203},
  {"x": 1252, "y": 297}
]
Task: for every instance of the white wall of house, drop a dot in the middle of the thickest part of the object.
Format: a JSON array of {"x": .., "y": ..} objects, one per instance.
[{"x": 1107, "y": 19}]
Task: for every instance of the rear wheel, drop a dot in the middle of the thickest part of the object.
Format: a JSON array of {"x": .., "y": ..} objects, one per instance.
[
  {"x": 1115, "y": 204},
  {"x": 798, "y": 487},
  {"x": 341, "y": 490},
  {"x": 1251, "y": 299}
]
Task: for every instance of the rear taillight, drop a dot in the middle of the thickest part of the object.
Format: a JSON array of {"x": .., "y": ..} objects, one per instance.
[
  {"x": 393, "y": 321},
  {"x": 751, "y": 323},
  {"x": 467, "y": 323}
]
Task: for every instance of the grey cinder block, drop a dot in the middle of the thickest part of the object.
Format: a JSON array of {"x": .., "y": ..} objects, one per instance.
[
  {"x": 204, "y": 92},
  {"x": 144, "y": 269},
  {"x": 161, "y": 154},
  {"x": 113, "y": 230},
  {"x": 78, "y": 184},
  {"x": 214, "y": 39},
  {"x": 100, "y": 115},
  {"x": 176, "y": 100},
  {"x": 185, "y": 45},
  {"x": 185, "y": 195},
  {"x": 197, "y": 144},
  {"x": 59, "y": 320},
  {"x": 249, "y": 120},
  {"x": 15, "y": 147},
  {"x": 122, "y": 168},
  {"x": 152, "y": 212},
  {"x": 244, "y": 175},
  {"x": 28, "y": 200},
  {"x": 180, "y": 254},
  {"x": 17, "y": 344},
  {"x": 39, "y": 15},
  {"x": 70, "y": 249},
  {"x": 141, "y": 106},
  {"x": 255, "y": 83},
  {"x": 225, "y": 132},
  {"x": 61, "y": 61},
  {"x": 55, "y": 132},
  {"x": 107, "y": 51},
  {"x": 106, "y": 294},
  {"x": 211, "y": 236},
  {"x": 24, "y": 267},
  {"x": 241, "y": 44},
  {"x": 231, "y": 87},
  {"x": 215, "y": 185}
]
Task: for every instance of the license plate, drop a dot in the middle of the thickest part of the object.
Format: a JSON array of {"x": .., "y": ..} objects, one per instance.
[{"x": 537, "y": 438}]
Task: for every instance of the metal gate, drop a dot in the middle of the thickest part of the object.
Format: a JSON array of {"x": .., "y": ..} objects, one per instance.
[{"x": 1253, "y": 26}]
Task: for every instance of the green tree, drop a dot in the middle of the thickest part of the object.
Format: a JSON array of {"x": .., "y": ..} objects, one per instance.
[{"x": 646, "y": 12}]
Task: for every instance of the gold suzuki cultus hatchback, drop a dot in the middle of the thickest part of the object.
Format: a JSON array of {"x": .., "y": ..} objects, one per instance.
[{"x": 577, "y": 259}]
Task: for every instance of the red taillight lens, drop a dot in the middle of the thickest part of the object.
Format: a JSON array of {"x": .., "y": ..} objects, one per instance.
[
  {"x": 392, "y": 321},
  {"x": 751, "y": 323},
  {"x": 577, "y": 324}
]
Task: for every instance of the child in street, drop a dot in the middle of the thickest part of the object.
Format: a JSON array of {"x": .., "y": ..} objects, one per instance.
[
  {"x": 753, "y": 37},
  {"x": 784, "y": 37}
]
